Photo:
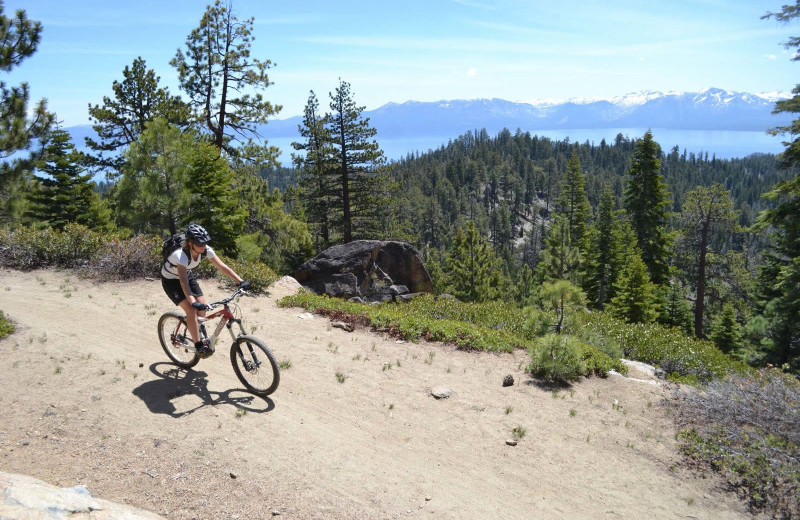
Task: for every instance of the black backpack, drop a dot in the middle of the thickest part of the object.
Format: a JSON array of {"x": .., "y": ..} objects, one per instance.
[{"x": 171, "y": 244}]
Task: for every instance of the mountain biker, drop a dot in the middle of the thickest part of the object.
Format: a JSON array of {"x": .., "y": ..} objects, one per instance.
[{"x": 181, "y": 286}]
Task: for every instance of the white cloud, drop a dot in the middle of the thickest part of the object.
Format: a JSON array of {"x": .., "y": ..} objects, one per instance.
[
  {"x": 472, "y": 72},
  {"x": 771, "y": 57}
]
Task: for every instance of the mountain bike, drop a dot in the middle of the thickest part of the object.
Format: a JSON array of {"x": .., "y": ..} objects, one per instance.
[{"x": 252, "y": 361}]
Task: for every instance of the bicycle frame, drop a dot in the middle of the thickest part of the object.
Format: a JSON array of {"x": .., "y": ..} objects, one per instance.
[{"x": 226, "y": 319}]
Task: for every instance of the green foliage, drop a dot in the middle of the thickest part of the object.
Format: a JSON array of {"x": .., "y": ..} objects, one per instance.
[
  {"x": 210, "y": 197},
  {"x": 725, "y": 330},
  {"x": 28, "y": 248},
  {"x": 473, "y": 267},
  {"x": 224, "y": 82},
  {"x": 558, "y": 358},
  {"x": 118, "y": 122},
  {"x": 572, "y": 202},
  {"x": 604, "y": 254},
  {"x": 561, "y": 296},
  {"x": 562, "y": 257},
  {"x": 683, "y": 358},
  {"x": 6, "y": 326},
  {"x": 19, "y": 39},
  {"x": 64, "y": 193},
  {"x": 152, "y": 195},
  {"x": 646, "y": 201},
  {"x": 704, "y": 211},
  {"x": 636, "y": 299}
]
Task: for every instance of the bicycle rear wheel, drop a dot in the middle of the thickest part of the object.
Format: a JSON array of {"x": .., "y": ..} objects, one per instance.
[
  {"x": 176, "y": 341},
  {"x": 255, "y": 366}
]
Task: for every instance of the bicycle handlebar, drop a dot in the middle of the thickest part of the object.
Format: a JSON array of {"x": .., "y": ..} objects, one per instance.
[{"x": 227, "y": 300}]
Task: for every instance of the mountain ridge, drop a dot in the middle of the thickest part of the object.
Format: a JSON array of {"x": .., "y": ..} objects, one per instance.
[{"x": 708, "y": 109}]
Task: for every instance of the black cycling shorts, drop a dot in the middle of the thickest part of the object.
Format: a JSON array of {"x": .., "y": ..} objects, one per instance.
[{"x": 172, "y": 286}]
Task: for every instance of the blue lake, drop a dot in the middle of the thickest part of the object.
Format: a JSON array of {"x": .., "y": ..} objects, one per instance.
[{"x": 725, "y": 144}]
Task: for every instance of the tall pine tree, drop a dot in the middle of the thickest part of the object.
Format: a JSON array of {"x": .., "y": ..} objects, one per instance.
[
  {"x": 317, "y": 173},
  {"x": 572, "y": 202},
  {"x": 646, "y": 202},
  {"x": 364, "y": 207}
]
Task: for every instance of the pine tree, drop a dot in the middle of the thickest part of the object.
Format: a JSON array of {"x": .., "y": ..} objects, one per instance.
[
  {"x": 572, "y": 202},
  {"x": 65, "y": 193},
  {"x": 726, "y": 331},
  {"x": 151, "y": 195},
  {"x": 473, "y": 266},
  {"x": 603, "y": 257},
  {"x": 780, "y": 276},
  {"x": 364, "y": 208},
  {"x": 224, "y": 82},
  {"x": 675, "y": 311},
  {"x": 19, "y": 39},
  {"x": 635, "y": 300},
  {"x": 560, "y": 296},
  {"x": 318, "y": 180},
  {"x": 646, "y": 202},
  {"x": 560, "y": 259},
  {"x": 118, "y": 122},
  {"x": 704, "y": 210},
  {"x": 212, "y": 201}
]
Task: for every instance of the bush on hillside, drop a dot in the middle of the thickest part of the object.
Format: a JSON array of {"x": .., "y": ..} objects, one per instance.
[
  {"x": 29, "y": 248},
  {"x": 557, "y": 358},
  {"x": 125, "y": 259},
  {"x": 748, "y": 428},
  {"x": 683, "y": 358},
  {"x": 6, "y": 326}
]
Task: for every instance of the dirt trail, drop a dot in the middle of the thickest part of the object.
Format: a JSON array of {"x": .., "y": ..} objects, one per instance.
[{"x": 89, "y": 398}]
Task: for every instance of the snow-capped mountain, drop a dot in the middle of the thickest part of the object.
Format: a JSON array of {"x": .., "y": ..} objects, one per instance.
[{"x": 709, "y": 109}]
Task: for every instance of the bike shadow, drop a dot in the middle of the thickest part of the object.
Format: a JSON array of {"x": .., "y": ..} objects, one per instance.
[{"x": 173, "y": 382}]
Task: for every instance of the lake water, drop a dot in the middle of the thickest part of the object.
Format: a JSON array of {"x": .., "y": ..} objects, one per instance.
[{"x": 725, "y": 144}]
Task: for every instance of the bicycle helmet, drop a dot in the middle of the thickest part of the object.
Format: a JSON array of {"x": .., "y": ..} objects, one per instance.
[{"x": 197, "y": 234}]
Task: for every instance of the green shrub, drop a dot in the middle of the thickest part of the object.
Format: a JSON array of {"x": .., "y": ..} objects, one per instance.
[
  {"x": 6, "y": 326},
  {"x": 683, "y": 358},
  {"x": 28, "y": 248},
  {"x": 557, "y": 357}
]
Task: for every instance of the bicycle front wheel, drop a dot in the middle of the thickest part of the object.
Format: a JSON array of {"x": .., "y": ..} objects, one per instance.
[
  {"x": 176, "y": 341},
  {"x": 255, "y": 366}
]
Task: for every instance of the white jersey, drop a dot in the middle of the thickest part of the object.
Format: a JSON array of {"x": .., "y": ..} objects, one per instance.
[{"x": 179, "y": 257}]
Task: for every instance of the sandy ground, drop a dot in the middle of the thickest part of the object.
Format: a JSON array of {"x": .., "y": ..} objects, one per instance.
[{"x": 88, "y": 397}]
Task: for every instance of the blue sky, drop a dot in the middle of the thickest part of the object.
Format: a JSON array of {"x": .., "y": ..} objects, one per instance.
[{"x": 424, "y": 50}]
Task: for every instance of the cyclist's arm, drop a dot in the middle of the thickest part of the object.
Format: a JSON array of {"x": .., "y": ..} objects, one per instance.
[
  {"x": 223, "y": 267},
  {"x": 183, "y": 276}
]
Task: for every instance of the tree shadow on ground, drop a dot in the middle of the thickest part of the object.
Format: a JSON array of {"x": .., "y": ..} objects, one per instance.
[{"x": 173, "y": 382}]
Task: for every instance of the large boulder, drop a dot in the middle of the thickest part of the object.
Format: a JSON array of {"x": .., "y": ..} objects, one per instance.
[{"x": 371, "y": 269}]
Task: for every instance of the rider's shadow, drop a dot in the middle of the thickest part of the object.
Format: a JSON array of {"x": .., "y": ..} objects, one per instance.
[{"x": 173, "y": 382}]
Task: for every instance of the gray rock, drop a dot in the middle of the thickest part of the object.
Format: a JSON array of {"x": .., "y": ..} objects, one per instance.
[
  {"x": 342, "y": 325},
  {"x": 375, "y": 265},
  {"x": 511, "y": 442},
  {"x": 508, "y": 380},
  {"x": 441, "y": 392}
]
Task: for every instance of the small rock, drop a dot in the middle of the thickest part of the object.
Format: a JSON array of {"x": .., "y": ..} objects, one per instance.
[
  {"x": 511, "y": 442},
  {"x": 141, "y": 365},
  {"x": 441, "y": 392},
  {"x": 275, "y": 512},
  {"x": 508, "y": 380},
  {"x": 306, "y": 316},
  {"x": 428, "y": 499},
  {"x": 233, "y": 475}
]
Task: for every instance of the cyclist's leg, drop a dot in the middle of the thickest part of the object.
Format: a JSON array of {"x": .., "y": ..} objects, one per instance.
[{"x": 191, "y": 319}]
